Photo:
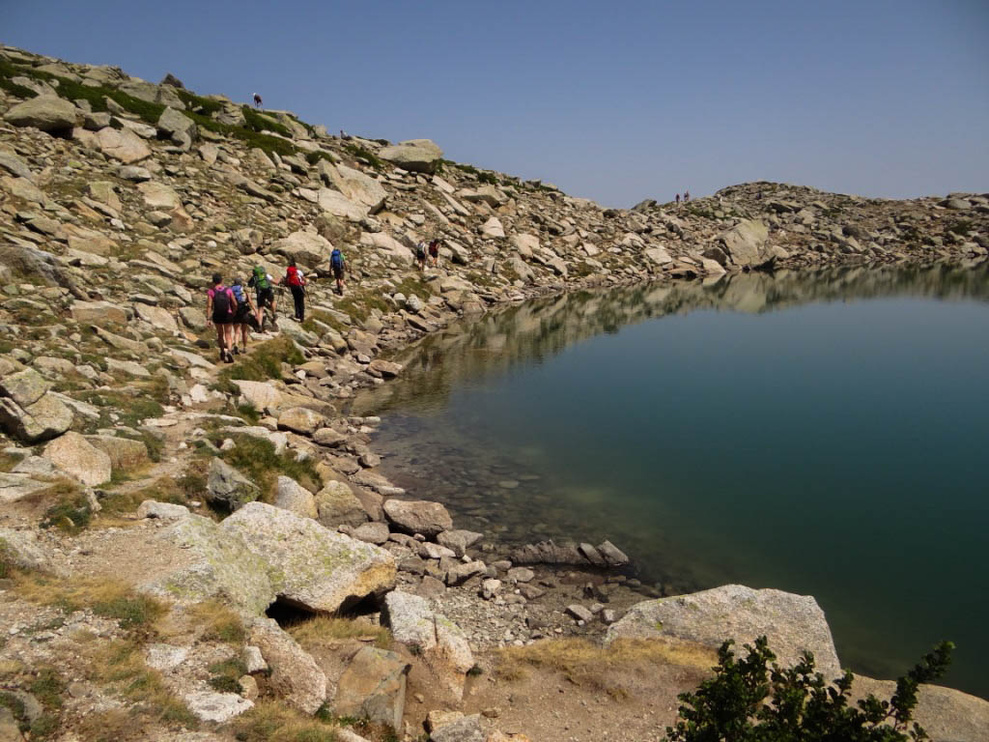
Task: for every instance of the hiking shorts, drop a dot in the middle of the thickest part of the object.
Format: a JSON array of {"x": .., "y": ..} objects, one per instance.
[
  {"x": 243, "y": 312},
  {"x": 266, "y": 297},
  {"x": 222, "y": 318},
  {"x": 338, "y": 272}
]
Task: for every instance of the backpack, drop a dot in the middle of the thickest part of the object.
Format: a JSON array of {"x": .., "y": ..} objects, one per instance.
[
  {"x": 260, "y": 279},
  {"x": 238, "y": 293},
  {"x": 421, "y": 250},
  {"x": 336, "y": 259},
  {"x": 221, "y": 301}
]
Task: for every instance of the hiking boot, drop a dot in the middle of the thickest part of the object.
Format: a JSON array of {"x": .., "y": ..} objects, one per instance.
[{"x": 236, "y": 352}]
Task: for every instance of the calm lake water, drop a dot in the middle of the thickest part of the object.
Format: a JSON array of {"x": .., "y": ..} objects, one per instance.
[{"x": 822, "y": 434}]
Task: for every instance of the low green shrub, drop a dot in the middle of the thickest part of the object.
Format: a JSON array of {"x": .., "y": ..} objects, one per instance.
[{"x": 753, "y": 699}]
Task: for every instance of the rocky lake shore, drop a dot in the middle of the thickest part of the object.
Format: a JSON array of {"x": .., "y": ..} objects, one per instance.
[{"x": 202, "y": 551}]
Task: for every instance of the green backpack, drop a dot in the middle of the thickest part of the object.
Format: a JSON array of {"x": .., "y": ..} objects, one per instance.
[{"x": 260, "y": 278}]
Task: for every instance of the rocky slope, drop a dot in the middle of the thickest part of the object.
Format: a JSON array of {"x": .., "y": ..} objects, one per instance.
[{"x": 133, "y": 606}]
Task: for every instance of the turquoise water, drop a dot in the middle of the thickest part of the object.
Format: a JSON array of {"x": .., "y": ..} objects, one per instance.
[{"x": 824, "y": 435}]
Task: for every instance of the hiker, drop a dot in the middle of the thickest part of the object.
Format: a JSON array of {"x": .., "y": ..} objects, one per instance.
[
  {"x": 296, "y": 281},
  {"x": 257, "y": 101},
  {"x": 678, "y": 199},
  {"x": 686, "y": 196},
  {"x": 263, "y": 284},
  {"x": 220, "y": 309},
  {"x": 434, "y": 252},
  {"x": 338, "y": 264},
  {"x": 244, "y": 315},
  {"x": 421, "y": 256}
]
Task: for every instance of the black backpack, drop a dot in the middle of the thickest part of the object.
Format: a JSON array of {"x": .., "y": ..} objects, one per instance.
[{"x": 221, "y": 302}]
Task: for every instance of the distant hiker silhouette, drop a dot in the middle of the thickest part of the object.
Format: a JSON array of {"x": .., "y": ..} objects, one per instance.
[
  {"x": 678, "y": 199},
  {"x": 257, "y": 101}
]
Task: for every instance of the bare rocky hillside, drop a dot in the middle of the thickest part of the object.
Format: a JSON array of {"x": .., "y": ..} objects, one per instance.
[{"x": 198, "y": 550}]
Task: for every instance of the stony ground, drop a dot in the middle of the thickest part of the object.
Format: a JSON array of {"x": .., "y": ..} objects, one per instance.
[{"x": 118, "y": 199}]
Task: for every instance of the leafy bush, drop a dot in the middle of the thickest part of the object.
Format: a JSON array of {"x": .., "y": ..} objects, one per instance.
[{"x": 746, "y": 701}]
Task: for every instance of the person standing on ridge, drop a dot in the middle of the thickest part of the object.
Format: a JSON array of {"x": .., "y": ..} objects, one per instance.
[
  {"x": 338, "y": 264},
  {"x": 257, "y": 101},
  {"x": 686, "y": 196},
  {"x": 678, "y": 199},
  {"x": 243, "y": 316},
  {"x": 220, "y": 309},
  {"x": 296, "y": 281}
]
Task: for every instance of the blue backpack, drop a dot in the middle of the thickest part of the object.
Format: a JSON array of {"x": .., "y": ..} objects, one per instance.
[
  {"x": 238, "y": 293},
  {"x": 336, "y": 259}
]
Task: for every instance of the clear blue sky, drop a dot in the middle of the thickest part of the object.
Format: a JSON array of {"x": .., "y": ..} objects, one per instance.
[{"x": 615, "y": 101}]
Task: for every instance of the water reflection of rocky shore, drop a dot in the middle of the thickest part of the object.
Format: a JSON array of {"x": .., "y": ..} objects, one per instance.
[
  {"x": 531, "y": 332},
  {"x": 511, "y": 495}
]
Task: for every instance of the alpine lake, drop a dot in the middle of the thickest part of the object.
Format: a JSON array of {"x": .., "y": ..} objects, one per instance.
[{"x": 824, "y": 434}]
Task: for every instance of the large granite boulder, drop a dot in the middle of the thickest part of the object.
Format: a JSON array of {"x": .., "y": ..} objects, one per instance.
[
  {"x": 300, "y": 420},
  {"x": 295, "y": 676},
  {"x": 33, "y": 264},
  {"x": 792, "y": 623},
  {"x": 25, "y": 387},
  {"x": 21, "y": 549},
  {"x": 264, "y": 395},
  {"x": 227, "y": 488},
  {"x": 310, "y": 566},
  {"x": 746, "y": 243},
  {"x": 295, "y": 498},
  {"x": 373, "y": 687},
  {"x": 46, "y": 112},
  {"x": 356, "y": 186},
  {"x": 98, "y": 313},
  {"x": 217, "y": 565},
  {"x": 417, "y": 155},
  {"x": 180, "y": 128},
  {"x": 308, "y": 248},
  {"x": 337, "y": 505},
  {"x": 126, "y": 454},
  {"x": 335, "y": 203},
  {"x": 45, "y": 419},
  {"x": 437, "y": 639},
  {"x": 76, "y": 456},
  {"x": 156, "y": 317},
  {"x": 418, "y": 516},
  {"x": 122, "y": 144}
]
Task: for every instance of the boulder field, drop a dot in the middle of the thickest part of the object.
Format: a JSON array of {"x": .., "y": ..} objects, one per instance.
[{"x": 190, "y": 548}]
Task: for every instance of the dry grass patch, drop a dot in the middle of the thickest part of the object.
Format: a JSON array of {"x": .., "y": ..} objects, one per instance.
[
  {"x": 120, "y": 666},
  {"x": 327, "y": 632},
  {"x": 163, "y": 489},
  {"x": 272, "y": 722},
  {"x": 104, "y": 597},
  {"x": 219, "y": 623},
  {"x": 587, "y": 664}
]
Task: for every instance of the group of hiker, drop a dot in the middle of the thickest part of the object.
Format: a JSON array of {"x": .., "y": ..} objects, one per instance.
[
  {"x": 686, "y": 197},
  {"x": 433, "y": 251},
  {"x": 231, "y": 311}
]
